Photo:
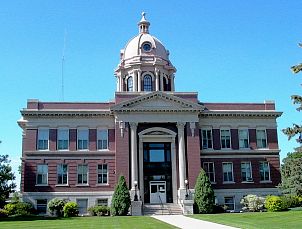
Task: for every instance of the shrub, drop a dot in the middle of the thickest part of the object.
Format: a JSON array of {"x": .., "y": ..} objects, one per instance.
[
  {"x": 273, "y": 203},
  {"x": 204, "y": 195},
  {"x": 19, "y": 208},
  {"x": 70, "y": 209},
  {"x": 55, "y": 207},
  {"x": 121, "y": 198},
  {"x": 99, "y": 211},
  {"x": 252, "y": 203},
  {"x": 3, "y": 213},
  {"x": 290, "y": 201}
]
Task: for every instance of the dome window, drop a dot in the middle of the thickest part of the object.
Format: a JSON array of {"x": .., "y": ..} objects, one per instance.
[
  {"x": 130, "y": 84},
  {"x": 147, "y": 83},
  {"x": 147, "y": 46}
]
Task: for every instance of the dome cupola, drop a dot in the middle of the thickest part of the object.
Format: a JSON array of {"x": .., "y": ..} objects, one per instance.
[{"x": 144, "y": 55}]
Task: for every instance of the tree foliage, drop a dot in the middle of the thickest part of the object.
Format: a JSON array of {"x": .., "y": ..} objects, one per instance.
[
  {"x": 291, "y": 174},
  {"x": 296, "y": 129},
  {"x": 252, "y": 203},
  {"x": 55, "y": 206},
  {"x": 204, "y": 198},
  {"x": 7, "y": 178},
  {"x": 121, "y": 198}
]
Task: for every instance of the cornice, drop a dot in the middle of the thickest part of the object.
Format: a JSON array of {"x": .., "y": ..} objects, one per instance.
[
  {"x": 243, "y": 113},
  {"x": 65, "y": 113}
]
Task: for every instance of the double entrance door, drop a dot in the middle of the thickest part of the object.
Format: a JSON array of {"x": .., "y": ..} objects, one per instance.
[{"x": 158, "y": 192}]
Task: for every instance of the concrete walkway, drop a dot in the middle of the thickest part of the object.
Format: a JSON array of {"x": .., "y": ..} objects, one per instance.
[{"x": 184, "y": 222}]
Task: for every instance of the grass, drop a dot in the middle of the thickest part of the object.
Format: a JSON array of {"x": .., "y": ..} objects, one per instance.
[
  {"x": 84, "y": 222},
  {"x": 271, "y": 220}
]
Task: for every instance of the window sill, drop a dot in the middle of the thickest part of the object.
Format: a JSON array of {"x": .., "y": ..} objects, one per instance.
[
  {"x": 41, "y": 185},
  {"x": 83, "y": 149},
  {"x": 104, "y": 185},
  {"x": 247, "y": 182},
  {"x": 266, "y": 182},
  {"x": 82, "y": 185},
  {"x": 62, "y": 185},
  {"x": 103, "y": 149},
  {"x": 64, "y": 150},
  {"x": 45, "y": 150},
  {"x": 228, "y": 182}
]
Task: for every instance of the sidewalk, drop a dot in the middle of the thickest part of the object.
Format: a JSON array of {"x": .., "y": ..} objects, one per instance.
[{"x": 189, "y": 223}]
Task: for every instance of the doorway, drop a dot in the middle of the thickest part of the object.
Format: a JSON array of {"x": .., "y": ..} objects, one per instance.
[{"x": 158, "y": 192}]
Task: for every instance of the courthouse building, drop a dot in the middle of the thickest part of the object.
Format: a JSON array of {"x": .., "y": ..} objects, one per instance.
[{"x": 156, "y": 137}]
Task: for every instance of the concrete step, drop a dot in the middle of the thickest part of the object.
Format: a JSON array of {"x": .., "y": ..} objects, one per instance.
[{"x": 165, "y": 209}]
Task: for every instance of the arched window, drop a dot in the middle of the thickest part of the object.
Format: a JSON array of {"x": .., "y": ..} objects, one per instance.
[
  {"x": 130, "y": 84},
  {"x": 147, "y": 83},
  {"x": 166, "y": 85}
]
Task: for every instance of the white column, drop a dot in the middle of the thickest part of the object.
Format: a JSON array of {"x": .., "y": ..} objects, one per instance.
[
  {"x": 134, "y": 171},
  {"x": 121, "y": 82},
  {"x": 181, "y": 155},
  {"x": 134, "y": 81},
  {"x": 139, "y": 81},
  {"x": 156, "y": 80},
  {"x": 117, "y": 84},
  {"x": 172, "y": 83},
  {"x": 161, "y": 82}
]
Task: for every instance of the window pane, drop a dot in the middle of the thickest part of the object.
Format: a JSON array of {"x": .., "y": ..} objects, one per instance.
[{"x": 147, "y": 83}]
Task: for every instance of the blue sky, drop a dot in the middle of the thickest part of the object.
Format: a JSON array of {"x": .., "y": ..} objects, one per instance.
[{"x": 227, "y": 51}]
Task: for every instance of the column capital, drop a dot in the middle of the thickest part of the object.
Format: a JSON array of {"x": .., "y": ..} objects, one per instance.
[
  {"x": 133, "y": 125},
  {"x": 180, "y": 125}
]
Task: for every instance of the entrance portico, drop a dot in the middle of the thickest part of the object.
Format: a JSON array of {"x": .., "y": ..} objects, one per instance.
[{"x": 158, "y": 110}]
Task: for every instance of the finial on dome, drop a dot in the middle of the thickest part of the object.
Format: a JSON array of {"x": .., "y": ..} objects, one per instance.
[{"x": 143, "y": 24}]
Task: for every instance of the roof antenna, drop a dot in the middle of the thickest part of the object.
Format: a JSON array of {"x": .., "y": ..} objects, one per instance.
[{"x": 62, "y": 67}]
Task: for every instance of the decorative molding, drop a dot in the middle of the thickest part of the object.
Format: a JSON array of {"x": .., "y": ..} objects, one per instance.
[
  {"x": 238, "y": 113},
  {"x": 65, "y": 113},
  {"x": 176, "y": 104}
]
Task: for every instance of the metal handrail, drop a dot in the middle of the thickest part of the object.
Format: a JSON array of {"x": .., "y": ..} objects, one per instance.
[{"x": 161, "y": 203}]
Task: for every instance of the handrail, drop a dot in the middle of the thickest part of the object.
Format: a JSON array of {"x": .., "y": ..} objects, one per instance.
[{"x": 161, "y": 203}]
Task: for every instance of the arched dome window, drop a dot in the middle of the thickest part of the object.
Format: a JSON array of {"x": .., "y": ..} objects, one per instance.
[
  {"x": 147, "y": 83},
  {"x": 130, "y": 84}
]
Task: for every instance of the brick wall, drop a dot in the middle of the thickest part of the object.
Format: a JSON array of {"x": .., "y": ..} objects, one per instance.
[
  {"x": 274, "y": 172},
  {"x": 193, "y": 156},
  {"x": 30, "y": 170}
]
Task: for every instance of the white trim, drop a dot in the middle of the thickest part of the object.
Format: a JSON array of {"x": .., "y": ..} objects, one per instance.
[{"x": 97, "y": 173}]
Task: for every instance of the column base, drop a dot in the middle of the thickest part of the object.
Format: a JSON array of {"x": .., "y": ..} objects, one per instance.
[{"x": 136, "y": 208}]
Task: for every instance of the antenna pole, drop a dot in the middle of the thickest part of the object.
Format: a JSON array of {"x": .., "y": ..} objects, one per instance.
[{"x": 62, "y": 67}]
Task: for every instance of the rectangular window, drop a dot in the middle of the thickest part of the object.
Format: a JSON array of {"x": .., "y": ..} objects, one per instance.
[
  {"x": 102, "y": 202},
  {"x": 42, "y": 174},
  {"x": 210, "y": 171},
  {"x": 63, "y": 139},
  {"x": 83, "y": 139},
  {"x": 103, "y": 174},
  {"x": 264, "y": 171},
  {"x": 207, "y": 139},
  {"x": 246, "y": 171},
  {"x": 243, "y": 138},
  {"x": 43, "y": 137},
  {"x": 227, "y": 168},
  {"x": 261, "y": 139},
  {"x": 102, "y": 136},
  {"x": 82, "y": 174},
  {"x": 62, "y": 174},
  {"x": 229, "y": 203},
  {"x": 41, "y": 206},
  {"x": 225, "y": 138}
]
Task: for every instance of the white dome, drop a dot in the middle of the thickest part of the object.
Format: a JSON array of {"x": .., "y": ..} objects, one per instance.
[{"x": 135, "y": 47}]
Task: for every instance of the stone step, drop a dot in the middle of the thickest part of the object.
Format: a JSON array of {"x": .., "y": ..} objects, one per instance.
[{"x": 166, "y": 209}]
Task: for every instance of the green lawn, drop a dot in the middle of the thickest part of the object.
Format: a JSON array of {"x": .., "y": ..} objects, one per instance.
[
  {"x": 271, "y": 220},
  {"x": 85, "y": 223}
]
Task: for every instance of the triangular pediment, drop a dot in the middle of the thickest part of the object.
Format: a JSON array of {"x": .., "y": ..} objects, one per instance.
[{"x": 157, "y": 102}]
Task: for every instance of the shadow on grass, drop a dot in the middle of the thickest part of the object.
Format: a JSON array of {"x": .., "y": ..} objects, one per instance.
[{"x": 32, "y": 218}]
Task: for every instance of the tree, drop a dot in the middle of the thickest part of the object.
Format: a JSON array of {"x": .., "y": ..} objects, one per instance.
[
  {"x": 204, "y": 198},
  {"x": 121, "y": 198},
  {"x": 291, "y": 174},
  {"x": 297, "y": 99},
  {"x": 7, "y": 178}
]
